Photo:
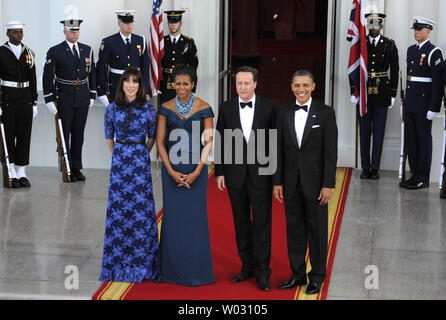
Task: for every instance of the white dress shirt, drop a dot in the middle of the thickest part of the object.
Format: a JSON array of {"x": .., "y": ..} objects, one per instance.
[
  {"x": 300, "y": 120},
  {"x": 176, "y": 38},
  {"x": 247, "y": 117},
  {"x": 71, "y": 45},
  {"x": 124, "y": 38},
  {"x": 376, "y": 39},
  {"x": 16, "y": 49},
  {"x": 422, "y": 44}
]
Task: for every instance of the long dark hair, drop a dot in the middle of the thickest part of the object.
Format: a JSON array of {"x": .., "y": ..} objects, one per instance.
[{"x": 120, "y": 99}]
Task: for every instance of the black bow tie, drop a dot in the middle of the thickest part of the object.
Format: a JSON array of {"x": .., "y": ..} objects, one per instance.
[
  {"x": 243, "y": 105},
  {"x": 298, "y": 107}
]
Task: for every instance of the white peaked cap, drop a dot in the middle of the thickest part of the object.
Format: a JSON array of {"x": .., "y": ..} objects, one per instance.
[{"x": 14, "y": 25}]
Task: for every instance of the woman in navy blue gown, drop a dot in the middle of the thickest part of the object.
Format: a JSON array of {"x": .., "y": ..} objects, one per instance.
[
  {"x": 131, "y": 232},
  {"x": 185, "y": 251}
]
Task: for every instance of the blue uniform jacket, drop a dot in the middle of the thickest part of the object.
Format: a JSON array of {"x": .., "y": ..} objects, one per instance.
[
  {"x": 114, "y": 54},
  {"x": 61, "y": 64},
  {"x": 422, "y": 97}
]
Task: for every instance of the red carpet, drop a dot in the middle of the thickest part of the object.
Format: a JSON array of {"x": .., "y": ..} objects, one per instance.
[{"x": 226, "y": 261}]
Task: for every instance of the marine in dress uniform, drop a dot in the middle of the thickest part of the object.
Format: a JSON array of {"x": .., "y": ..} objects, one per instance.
[
  {"x": 178, "y": 49},
  {"x": 119, "y": 52},
  {"x": 69, "y": 78},
  {"x": 382, "y": 89},
  {"x": 18, "y": 100},
  {"x": 424, "y": 92}
]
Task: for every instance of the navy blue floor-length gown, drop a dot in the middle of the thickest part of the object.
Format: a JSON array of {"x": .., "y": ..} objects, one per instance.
[{"x": 185, "y": 250}]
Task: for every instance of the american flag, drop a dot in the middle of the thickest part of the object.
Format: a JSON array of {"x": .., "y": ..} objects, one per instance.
[
  {"x": 156, "y": 47},
  {"x": 357, "y": 66}
]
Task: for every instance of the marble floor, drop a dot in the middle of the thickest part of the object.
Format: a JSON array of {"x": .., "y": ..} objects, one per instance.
[{"x": 391, "y": 246}]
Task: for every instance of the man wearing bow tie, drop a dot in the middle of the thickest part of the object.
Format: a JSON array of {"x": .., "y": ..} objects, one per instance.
[
  {"x": 249, "y": 189},
  {"x": 306, "y": 174}
]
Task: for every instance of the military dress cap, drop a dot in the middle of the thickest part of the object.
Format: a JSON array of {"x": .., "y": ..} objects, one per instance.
[
  {"x": 72, "y": 24},
  {"x": 174, "y": 16},
  {"x": 125, "y": 16},
  {"x": 422, "y": 22},
  {"x": 14, "y": 25},
  {"x": 375, "y": 19}
]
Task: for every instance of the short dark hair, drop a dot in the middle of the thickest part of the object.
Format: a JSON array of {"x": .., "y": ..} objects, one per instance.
[
  {"x": 254, "y": 72},
  {"x": 302, "y": 73},
  {"x": 120, "y": 99},
  {"x": 185, "y": 70}
]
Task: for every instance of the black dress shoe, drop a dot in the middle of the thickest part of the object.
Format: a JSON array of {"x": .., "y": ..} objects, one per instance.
[
  {"x": 417, "y": 185},
  {"x": 79, "y": 175},
  {"x": 314, "y": 287},
  {"x": 24, "y": 183},
  {"x": 73, "y": 177},
  {"x": 263, "y": 283},
  {"x": 374, "y": 175},
  {"x": 242, "y": 276},
  {"x": 443, "y": 194},
  {"x": 15, "y": 184},
  {"x": 292, "y": 283},
  {"x": 365, "y": 174}
]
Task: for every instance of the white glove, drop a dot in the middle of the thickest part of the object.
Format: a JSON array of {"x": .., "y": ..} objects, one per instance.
[
  {"x": 104, "y": 100},
  {"x": 431, "y": 115},
  {"x": 1, "y": 112},
  {"x": 51, "y": 107},
  {"x": 392, "y": 103},
  {"x": 35, "y": 112},
  {"x": 91, "y": 102},
  {"x": 354, "y": 100}
]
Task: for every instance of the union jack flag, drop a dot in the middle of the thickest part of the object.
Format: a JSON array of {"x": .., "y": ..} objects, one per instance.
[
  {"x": 357, "y": 66},
  {"x": 156, "y": 47}
]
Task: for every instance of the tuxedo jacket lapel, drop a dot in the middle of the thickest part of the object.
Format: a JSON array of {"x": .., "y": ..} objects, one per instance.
[{"x": 291, "y": 125}]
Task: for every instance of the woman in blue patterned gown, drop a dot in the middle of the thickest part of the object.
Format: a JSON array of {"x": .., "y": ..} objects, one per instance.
[
  {"x": 185, "y": 251},
  {"x": 131, "y": 232}
]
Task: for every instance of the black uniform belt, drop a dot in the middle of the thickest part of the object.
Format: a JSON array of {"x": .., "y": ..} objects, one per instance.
[
  {"x": 72, "y": 82},
  {"x": 130, "y": 142},
  {"x": 377, "y": 74}
]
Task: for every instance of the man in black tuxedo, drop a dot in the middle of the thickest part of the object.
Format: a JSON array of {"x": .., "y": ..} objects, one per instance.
[
  {"x": 306, "y": 168},
  {"x": 243, "y": 120}
]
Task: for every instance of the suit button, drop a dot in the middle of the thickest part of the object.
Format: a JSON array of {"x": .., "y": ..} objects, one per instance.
[
  {"x": 128, "y": 57},
  {"x": 129, "y": 64},
  {"x": 173, "y": 52},
  {"x": 408, "y": 87},
  {"x": 173, "y": 59},
  {"x": 373, "y": 62},
  {"x": 374, "y": 55}
]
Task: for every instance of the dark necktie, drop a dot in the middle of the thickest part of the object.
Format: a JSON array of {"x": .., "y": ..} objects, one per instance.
[
  {"x": 243, "y": 105},
  {"x": 76, "y": 54},
  {"x": 127, "y": 43},
  {"x": 174, "y": 40},
  {"x": 298, "y": 107},
  {"x": 418, "y": 48},
  {"x": 374, "y": 42}
]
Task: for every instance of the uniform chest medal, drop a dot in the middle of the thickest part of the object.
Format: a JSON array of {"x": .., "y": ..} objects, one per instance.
[
  {"x": 422, "y": 59},
  {"x": 28, "y": 61},
  {"x": 139, "y": 49},
  {"x": 88, "y": 61}
]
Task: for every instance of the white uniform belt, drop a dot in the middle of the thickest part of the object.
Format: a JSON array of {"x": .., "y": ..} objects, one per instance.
[
  {"x": 117, "y": 71},
  {"x": 72, "y": 82},
  {"x": 419, "y": 79},
  {"x": 12, "y": 84}
]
